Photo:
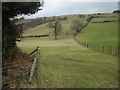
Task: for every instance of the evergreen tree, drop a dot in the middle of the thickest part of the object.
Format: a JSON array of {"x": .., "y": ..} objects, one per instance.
[{"x": 10, "y": 31}]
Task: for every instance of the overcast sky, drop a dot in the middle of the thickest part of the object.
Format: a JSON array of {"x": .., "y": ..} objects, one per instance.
[{"x": 65, "y": 7}]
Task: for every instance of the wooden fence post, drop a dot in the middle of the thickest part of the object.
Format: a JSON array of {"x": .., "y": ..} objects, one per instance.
[
  {"x": 39, "y": 63},
  {"x": 32, "y": 70},
  {"x": 103, "y": 48},
  {"x": 87, "y": 44}
]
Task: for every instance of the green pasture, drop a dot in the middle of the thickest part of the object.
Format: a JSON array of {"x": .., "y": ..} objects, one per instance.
[
  {"x": 104, "y": 19},
  {"x": 102, "y": 34},
  {"x": 67, "y": 64},
  {"x": 107, "y": 14}
]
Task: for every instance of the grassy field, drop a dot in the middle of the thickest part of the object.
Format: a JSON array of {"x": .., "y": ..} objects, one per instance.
[
  {"x": 66, "y": 64},
  {"x": 104, "y": 19},
  {"x": 100, "y": 34}
]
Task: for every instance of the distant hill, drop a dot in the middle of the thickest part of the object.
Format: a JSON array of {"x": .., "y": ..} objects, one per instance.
[{"x": 30, "y": 23}]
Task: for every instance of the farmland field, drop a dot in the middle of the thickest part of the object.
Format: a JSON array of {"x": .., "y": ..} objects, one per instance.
[
  {"x": 66, "y": 64},
  {"x": 100, "y": 34},
  {"x": 93, "y": 32},
  {"x": 104, "y": 19}
]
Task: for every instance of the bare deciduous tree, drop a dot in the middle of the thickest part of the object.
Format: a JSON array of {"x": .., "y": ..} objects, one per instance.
[
  {"x": 77, "y": 26},
  {"x": 56, "y": 26}
]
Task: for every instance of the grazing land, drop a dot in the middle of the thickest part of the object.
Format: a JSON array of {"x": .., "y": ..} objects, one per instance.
[
  {"x": 67, "y": 64},
  {"x": 104, "y": 19},
  {"x": 100, "y": 34}
]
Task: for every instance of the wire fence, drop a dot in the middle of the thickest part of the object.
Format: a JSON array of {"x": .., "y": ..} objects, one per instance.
[
  {"x": 109, "y": 49},
  {"x": 21, "y": 72}
]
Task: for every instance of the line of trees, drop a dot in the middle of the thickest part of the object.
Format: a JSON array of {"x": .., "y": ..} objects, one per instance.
[{"x": 78, "y": 26}]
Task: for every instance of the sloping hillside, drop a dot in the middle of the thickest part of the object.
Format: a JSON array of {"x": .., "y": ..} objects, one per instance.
[
  {"x": 67, "y": 64},
  {"x": 101, "y": 34},
  {"x": 66, "y": 24}
]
